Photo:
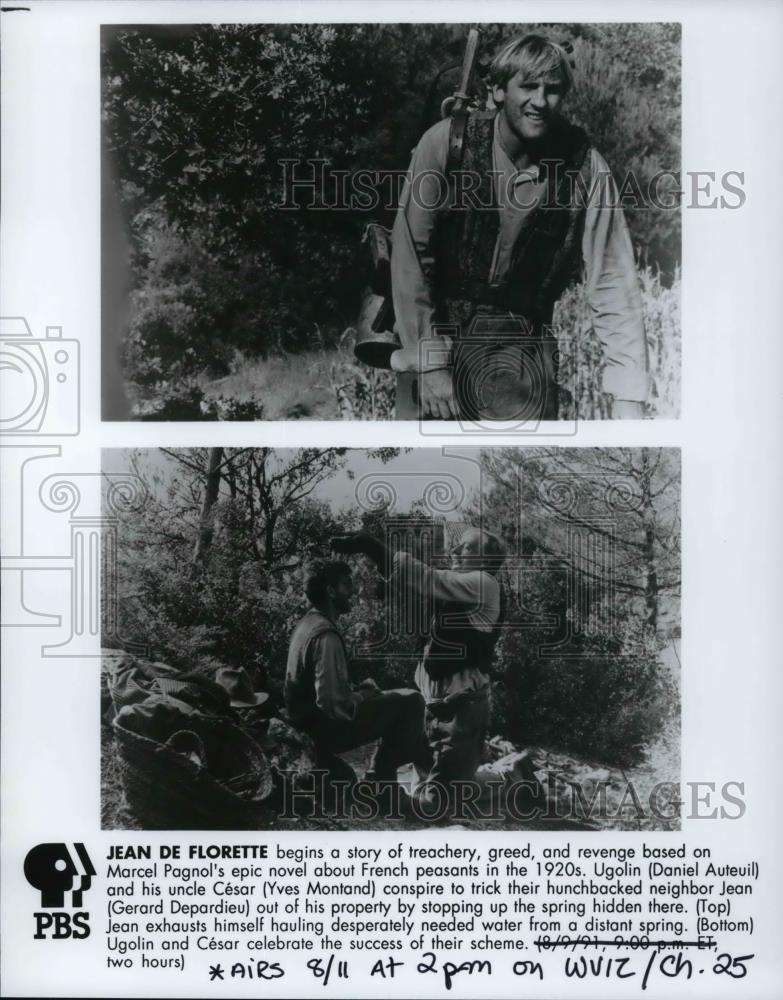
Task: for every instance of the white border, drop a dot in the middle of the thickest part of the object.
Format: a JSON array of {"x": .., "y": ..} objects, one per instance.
[{"x": 729, "y": 435}]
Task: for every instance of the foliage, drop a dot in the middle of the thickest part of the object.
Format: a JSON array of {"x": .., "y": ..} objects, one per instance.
[
  {"x": 582, "y": 358},
  {"x": 358, "y": 391},
  {"x": 593, "y": 537},
  {"x": 592, "y": 683},
  {"x": 597, "y": 700},
  {"x": 241, "y": 610},
  {"x": 663, "y": 327},
  {"x": 625, "y": 501},
  {"x": 328, "y": 383},
  {"x": 200, "y": 120}
]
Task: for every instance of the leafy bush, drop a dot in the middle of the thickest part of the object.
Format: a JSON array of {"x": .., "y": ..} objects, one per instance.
[
  {"x": 600, "y": 701},
  {"x": 200, "y": 120},
  {"x": 605, "y": 693},
  {"x": 582, "y": 359}
]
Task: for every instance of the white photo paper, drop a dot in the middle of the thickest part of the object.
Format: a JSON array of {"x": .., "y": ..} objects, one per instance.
[{"x": 389, "y": 449}]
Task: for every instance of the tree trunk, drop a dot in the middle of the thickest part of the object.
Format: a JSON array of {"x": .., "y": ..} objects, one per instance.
[
  {"x": 206, "y": 521},
  {"x": 648, "y": 547}
]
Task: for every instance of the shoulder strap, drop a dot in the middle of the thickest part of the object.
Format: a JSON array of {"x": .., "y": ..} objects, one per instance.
[
  {"x": 457, "y": 132},
  {"x": 456, "y": 142}
]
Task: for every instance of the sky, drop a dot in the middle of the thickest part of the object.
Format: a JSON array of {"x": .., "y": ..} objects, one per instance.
[{"x": 448, "y": 477}]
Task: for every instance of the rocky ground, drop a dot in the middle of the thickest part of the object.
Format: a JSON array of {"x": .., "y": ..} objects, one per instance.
[
  {"x": 576, "y": 794},
  {"x": 532, "y": 788}
]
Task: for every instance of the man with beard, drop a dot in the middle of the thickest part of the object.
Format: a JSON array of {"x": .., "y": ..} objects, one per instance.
[
  {"x": 502, "y": 211},
  {"x": 320, "y": 698}
]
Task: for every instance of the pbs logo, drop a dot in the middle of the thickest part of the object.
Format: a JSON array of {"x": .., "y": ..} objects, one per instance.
[{"x": 62, "y": 880}]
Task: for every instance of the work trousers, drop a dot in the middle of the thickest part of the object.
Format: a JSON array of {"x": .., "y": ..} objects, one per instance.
[
  {"x": 456, "y": 729},
  {"x": 503, "y": 368},
  {"x": 395, "y": 718}
]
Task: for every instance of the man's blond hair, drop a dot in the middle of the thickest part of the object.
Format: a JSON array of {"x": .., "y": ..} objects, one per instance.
[{"x": 536, "y": 57}]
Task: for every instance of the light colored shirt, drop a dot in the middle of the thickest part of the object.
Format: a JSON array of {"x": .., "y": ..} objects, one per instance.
[
  {"x": 475, "y": 592},
  {"x": 610, "y": 278},
  {"x": 334, "y": 694}
]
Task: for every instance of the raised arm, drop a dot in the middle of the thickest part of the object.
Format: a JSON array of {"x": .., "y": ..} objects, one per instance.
[{"x": 475, "y": 591}]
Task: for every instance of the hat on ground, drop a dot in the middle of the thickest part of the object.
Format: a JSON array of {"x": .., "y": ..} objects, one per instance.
[
  {"x": 240, "y": 688},
  {"x": 196, "y": 689}
]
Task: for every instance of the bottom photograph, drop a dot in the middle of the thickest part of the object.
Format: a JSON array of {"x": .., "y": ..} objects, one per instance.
[{"x": 340, "y": 639}]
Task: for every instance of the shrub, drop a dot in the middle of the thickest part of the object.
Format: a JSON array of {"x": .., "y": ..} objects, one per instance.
[
  {"x": 198, "y": 119},
  {"x": 582, "y": 356},
  {"x": 601, "y": 701}
]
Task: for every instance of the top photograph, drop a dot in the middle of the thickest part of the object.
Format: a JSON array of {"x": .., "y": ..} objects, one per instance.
[{"x": 472, "y": 223}]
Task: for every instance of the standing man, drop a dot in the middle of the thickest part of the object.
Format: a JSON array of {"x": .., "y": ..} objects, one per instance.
[
  {"x": 320, "y": 698},
  {"x": 489, "y": 233},
  {"x": 453, "y": 673}
]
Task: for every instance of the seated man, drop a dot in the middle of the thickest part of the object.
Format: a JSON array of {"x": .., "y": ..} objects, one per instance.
[{"x": 323, "y": 703}]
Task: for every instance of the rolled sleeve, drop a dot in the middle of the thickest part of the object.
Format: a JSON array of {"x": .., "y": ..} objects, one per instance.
[
  {"x": 612, "y": 287},
  {"x": 477, "y": 592},
  {"x": 412, "y": 262}
]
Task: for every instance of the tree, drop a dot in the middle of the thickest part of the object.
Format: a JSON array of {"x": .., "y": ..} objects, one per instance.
[
  {"x": 199, "y": 121},
  {"x": 258, "y": 531},
  {"x": 612, "y": 516},
  {"x": 206, "y": 527},
  {"x": 593, "y": 581}
]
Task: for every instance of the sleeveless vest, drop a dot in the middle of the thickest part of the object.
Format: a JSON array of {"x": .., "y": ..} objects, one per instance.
[
  {"x": 299, "y": 686},
  {"x": 455, "y": 645},
  {"x": 547, "y": 256}
]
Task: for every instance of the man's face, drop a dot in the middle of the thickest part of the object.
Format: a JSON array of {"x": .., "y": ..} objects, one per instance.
[
  {"x": 342, "y": 595},
  {"x": 467, "y": 554},
  {"x": 530, "y": 105}
]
